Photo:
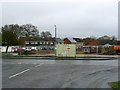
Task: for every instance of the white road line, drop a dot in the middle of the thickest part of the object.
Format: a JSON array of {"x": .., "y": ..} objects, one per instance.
[
  {"x": 26, "y": 63},
  {"x": 12, "y": 63},
  {"x": 19, "y": 73},
  {"x": 19, "y": 63},
  {"x": 39, "y": 65}
]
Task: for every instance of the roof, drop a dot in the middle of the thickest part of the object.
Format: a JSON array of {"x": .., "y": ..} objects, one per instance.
[
  {"x": 107, "y": 45},
  {"x": 43, "y": 39},
  {"x": 103, "y": 42},
  {"x": 78, "y": 40},
  {"x": 72, "y": 40}
]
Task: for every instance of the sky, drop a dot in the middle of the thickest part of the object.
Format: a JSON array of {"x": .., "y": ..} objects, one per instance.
[{"x": 73, "y": 18}]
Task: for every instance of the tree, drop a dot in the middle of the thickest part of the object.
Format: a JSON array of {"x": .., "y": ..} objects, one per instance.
[
  {"x": 15, "y": 28},
  {"x": 26, "y": 30},
  {"x": 9, "y": 38},
  {"x": 30, "y": 30},
  {"x": 21, "y": 41},
  {"x": 46, "y": 34}
]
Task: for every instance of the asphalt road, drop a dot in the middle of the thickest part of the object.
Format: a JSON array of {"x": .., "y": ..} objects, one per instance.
[{"x": 58, "y": 74}]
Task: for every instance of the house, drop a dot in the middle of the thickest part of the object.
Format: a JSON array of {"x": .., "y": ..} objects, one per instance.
[
  {"x": 79, "y": 45},
  {"x": 86, "y": 45},
  {"x": 116, "y": 42},
  {"x": 105, "y": 37},
  {"x": 77, "y": 41},
  {"x": 69, "y": 41},
  {"x": 107, "y": 45},
  {"x": 90, "y": 45},
  {"x": 73, "y": 41},
  {"x": 90, "y": 49},
  {"x": 42, "y": 43},
  {"x": 34, "y": 43},
  {"x": 104, "y": 42}
]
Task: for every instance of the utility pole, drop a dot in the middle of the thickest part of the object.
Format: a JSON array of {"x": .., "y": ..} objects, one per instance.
[{"x": 55, "y": 38}]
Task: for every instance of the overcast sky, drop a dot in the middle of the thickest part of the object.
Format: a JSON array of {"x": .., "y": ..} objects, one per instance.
[{"x": 74, "y": 18}]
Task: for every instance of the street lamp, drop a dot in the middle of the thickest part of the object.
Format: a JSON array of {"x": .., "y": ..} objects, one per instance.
[
  {"x": 55, "y": 38},
  {"x": 55, "y": 31}
]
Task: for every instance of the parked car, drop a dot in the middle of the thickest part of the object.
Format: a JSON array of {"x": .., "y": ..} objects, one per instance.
[{"x": 20, "y": 51}]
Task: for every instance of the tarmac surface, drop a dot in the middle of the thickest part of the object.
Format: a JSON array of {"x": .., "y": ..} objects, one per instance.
[{"x": 24, "y": 73}]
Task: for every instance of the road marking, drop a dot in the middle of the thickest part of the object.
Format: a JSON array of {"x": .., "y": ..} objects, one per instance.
[
  {"x": 12, "y": 63},
  {"x": 39, "y": 65},
  {"x": 19, "y": 73},
  {"x": 26, "y": 63},
  {"x": 20, "y": 63}
]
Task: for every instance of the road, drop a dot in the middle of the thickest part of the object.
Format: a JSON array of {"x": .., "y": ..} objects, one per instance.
[{"x": 58, "y": 74}]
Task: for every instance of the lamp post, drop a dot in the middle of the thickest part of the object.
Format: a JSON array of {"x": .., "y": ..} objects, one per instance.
[
  {"x": 55, "y": 38},
  {"x": 97, "y": 50}
]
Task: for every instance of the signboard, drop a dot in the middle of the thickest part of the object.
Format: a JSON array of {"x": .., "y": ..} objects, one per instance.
[{"x": 65, "y": 50}]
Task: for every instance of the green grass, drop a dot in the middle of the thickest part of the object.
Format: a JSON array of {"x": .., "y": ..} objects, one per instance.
[
  {"x": 10, "y": 55},
  {"x": 6, "y": 54},
  {"x": 115, "y": 85}
]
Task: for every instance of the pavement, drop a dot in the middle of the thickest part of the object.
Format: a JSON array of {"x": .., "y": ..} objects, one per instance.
[
  {"x": 78, "y": 55},
  {"x": 52, "y": 57},
  {"x": 23, "y": 73}
]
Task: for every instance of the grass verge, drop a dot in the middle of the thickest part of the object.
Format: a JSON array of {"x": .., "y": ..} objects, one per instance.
[{"x": 115, "y": 85}]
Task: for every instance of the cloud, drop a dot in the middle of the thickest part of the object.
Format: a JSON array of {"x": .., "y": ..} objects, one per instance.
[{"x": 79, "y": 18}]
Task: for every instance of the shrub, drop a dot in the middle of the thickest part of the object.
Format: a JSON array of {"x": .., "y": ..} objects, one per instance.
[{"x": 107, "y": 51}]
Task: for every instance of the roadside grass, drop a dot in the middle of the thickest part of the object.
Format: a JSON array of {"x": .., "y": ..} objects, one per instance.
[
  {"x": 115, "y": 85},
  {"x": 8, "y": 55}
]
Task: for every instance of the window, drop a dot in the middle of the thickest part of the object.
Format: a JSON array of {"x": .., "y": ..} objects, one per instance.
[
  {"x": 51, "y": 43},
  {"x": 27, "y": 42},
  {"x": 32, "y": 42},
  {"x": 40, "y": 43},
  {"x": 47, "y": 43},
  {"x": 36, "y": 42},
  {"x": 44, "y": 43}
]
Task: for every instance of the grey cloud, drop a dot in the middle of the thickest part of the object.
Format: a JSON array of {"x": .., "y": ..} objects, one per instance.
[{"x": 72, "y": 19}]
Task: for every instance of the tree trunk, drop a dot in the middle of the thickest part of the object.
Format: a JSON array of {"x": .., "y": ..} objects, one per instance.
[{"x": 7, "y": 49}]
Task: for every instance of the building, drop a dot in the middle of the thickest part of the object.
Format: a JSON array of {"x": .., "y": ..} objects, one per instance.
[
  {"x": 91, "y": 45},
  {"x": 106, "y": 38},
  {"x": 73, "y": 41},
  {"x": 42, "y": 43},
  {"x": 69, "y": 41}
]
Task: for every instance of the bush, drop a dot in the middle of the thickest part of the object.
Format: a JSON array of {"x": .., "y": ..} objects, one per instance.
[{"x": 107, "y": 51}]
